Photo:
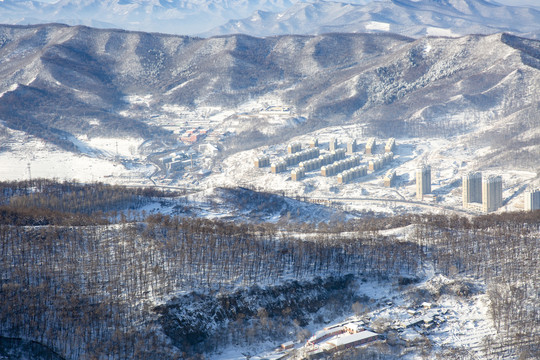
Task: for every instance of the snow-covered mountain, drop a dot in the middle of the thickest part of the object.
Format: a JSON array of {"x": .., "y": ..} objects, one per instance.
[
  {"x": 166, "y": 16},
  {"x": 407, "y": 17},
  {"x": 274, "y": 17},
  {"x": 55, "y": 81}
]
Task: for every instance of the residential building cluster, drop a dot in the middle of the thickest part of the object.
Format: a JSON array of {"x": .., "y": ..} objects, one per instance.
[
  {"x": 479, "y": 193},
  {"x": 482, "y": 193},
  {"x": 345, "y": 164},
  {"x": 293, "y": 158},
  {"x": 352, "y": 174},
  {"x": 299, "y": 156},
  {"x": 340, "y": 165}
]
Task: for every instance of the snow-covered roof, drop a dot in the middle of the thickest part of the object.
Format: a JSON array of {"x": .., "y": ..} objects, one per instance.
[{"x": 347, "y": 339}]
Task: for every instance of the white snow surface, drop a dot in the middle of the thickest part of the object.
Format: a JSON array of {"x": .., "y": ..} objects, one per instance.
[{"x": 44, "y": 160}]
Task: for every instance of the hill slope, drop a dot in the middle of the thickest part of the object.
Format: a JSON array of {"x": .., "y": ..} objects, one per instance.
[{"x": 58, "y": 81}]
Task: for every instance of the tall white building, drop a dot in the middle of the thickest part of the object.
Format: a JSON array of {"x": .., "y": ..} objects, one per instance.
[
  {"x": 532, "y": 200},
  {"x": 472, "y": 188},
  {"x": 491, "y": 193},
  {"x": 423, "y": 181}
]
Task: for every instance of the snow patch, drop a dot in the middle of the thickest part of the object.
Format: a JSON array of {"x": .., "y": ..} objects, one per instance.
[
  {"x": 11, "y": 88},
  {"x": 434, "y": 31},
  {"x": 378, "y": 26}
]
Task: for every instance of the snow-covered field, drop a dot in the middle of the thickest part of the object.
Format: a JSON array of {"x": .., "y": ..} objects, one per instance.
[{"x": 24, "y": 156}]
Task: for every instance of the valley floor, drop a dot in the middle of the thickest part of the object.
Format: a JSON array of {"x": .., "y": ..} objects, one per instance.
[{"x": 132, "y": 162}]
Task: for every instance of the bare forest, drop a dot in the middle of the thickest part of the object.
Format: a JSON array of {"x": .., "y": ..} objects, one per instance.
[{"x": 84, "y": 272}]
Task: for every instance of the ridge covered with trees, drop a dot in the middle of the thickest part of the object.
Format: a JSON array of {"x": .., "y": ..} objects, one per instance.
[{"x": 97, "y": 286}]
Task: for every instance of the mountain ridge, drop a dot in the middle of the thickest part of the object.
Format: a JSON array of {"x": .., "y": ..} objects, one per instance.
[
  {"x": 175, "y": 16},
  {"x": 58, "y": 81},
  {"x": 405, "y": 17},
  {"x": 276, "y": 17}
]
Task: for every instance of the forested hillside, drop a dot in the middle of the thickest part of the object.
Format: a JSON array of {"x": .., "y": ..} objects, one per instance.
[{"x": 107, "y": 285}]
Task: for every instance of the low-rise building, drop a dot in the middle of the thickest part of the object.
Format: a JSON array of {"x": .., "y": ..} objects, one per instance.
[
  {"x": 287, "y": 345},
  {"x": 310, "y": 165},
  {"x": 352, "y": 340},
  {"x": 322, "y": 335},
  {"x": 293, "y": 148},
  {"x": 278, "y": 167},
  {"x": 390, "y": 145},
  {"x": 298, "y": 174},
  {"x": 352, "y": 174},
  {"x": 389, "y": 178},
  {"x": 262, "y": 161},
  {"x": 375, "y": 164},
  {"x": 387, "y": 158},
  {"x": 175, "y": 166},
  {"x": 353, "y": 328},
  {"x": 370, "y": 146}
]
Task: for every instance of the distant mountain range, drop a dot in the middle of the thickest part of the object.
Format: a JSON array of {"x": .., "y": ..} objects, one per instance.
[
  {"x": 414, "y": 18},
  {"x": 55, "y": 81},
  {"x": 165, "y": 16}
]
